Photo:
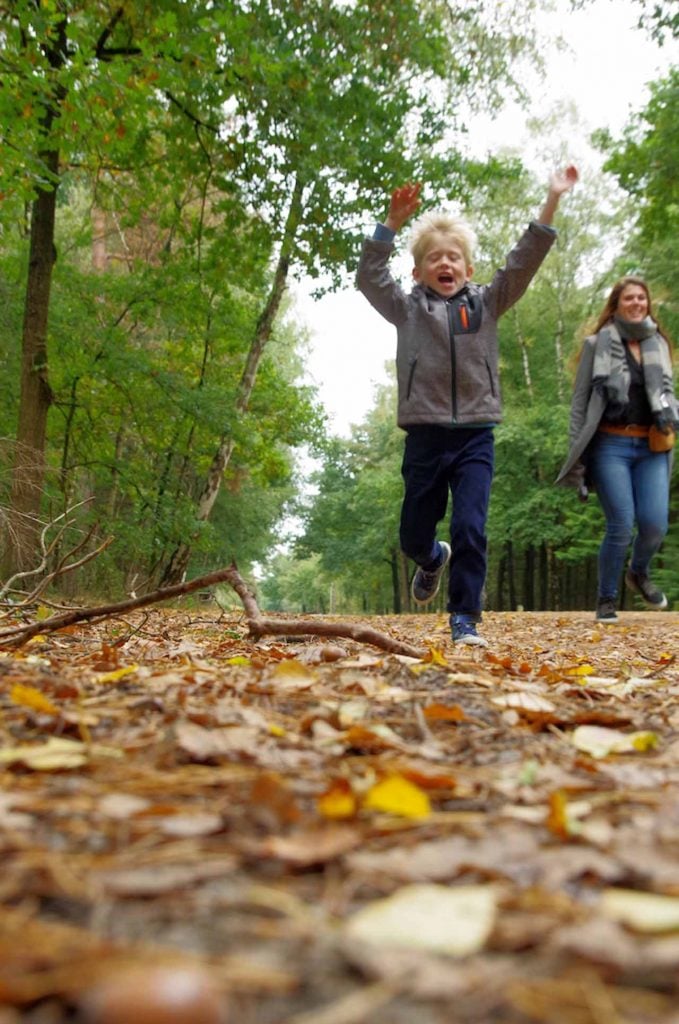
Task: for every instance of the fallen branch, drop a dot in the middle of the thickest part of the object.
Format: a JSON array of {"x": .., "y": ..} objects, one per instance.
[
  {"x": 13, "y": 636},
  {"x": 259, "y": 625}
]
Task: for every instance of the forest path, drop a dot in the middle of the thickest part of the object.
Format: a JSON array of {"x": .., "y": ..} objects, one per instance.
[{"x": 325, "y": 834}]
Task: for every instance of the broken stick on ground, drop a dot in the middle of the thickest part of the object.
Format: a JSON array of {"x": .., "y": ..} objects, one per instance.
[{"x": 258, "y": 624}]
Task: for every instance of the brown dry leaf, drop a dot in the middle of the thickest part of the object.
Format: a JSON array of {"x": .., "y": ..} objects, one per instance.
[
  {"x": 309, "y": 846},
  {"x": 208, "y": 744},
  {"x": 444, "y": 713},
  {"x": 155, "y": 879}
]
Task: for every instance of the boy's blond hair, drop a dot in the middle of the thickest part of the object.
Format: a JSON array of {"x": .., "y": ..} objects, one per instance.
[{"x": 441, "y": 223}]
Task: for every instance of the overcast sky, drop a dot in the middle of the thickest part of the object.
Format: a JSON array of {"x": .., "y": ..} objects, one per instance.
[{"x": 605, "y": 75}]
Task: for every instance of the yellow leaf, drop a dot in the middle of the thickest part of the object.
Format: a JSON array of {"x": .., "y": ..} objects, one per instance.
[
  {"x": 557, "y": 819},
  {"x": 338, "y": 802},
  {"x": 644, "y": 740},
  {"x": 436, "y": 657},
  {"x": 418, "y": 667},
  {"x": 119, "y": 673},
  {"x": 292, "y": 668},
  {"x": 276, "y": 730},
  {"x": 39, "y": 638},
  {"x": 395, "y": 795},
  {"x": 238, "y": 659},
  {"x": 579, "y": 670},
  {"x": 30, "y": 697}
]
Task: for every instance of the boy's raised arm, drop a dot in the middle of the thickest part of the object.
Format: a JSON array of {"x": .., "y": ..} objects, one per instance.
[
  {"x": 560, "y": 182},
  {"x": 403, "y": 204}
]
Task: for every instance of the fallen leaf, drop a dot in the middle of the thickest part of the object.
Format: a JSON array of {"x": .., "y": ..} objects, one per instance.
[
  {"x": 30, "y": 697},
  {"x": 646, "y": 912},
  {"x": 436, "y": 918},
  {"x": 396, "y": 795},
  {"x": 338, "y": 801},
  {"x": 55, "y": 754},
  {"x": 600, "y": 741}
]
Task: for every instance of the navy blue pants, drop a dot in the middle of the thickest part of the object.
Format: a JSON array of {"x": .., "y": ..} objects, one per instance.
[{"x": 436, "y": 461}]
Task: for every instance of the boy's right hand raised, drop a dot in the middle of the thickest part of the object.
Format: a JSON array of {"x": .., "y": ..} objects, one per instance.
[{"x": 404, "y": 202}]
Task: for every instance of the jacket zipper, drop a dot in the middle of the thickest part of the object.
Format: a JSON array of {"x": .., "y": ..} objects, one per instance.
[{"x": 453, "y": 368}]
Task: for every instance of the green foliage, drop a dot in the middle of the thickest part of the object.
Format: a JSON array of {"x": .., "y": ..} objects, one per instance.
[
  {"x": 221, "y": 148},
  {"x": 645, "y": 162},
  {"x": 350, "y": 525}
]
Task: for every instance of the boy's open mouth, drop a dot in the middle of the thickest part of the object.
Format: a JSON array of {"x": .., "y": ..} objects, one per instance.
[{"x": 446, "y": 278}]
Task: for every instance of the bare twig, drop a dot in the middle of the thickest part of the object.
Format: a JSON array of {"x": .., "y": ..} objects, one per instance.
[
  {"x": 260, "y": 625},
  {"x": 46, "y": 550},
  {"x": 62, "y": 569}
]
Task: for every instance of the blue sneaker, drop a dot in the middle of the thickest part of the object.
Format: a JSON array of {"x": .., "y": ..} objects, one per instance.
[
  {"x": 426, "y": 582},
  {"x": 463, "y": 628}
]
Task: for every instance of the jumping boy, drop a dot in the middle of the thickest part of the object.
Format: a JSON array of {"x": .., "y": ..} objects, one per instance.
[{"x": 448, "y": 385}]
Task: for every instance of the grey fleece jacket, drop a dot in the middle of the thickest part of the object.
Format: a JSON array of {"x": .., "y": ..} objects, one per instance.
[{"x": 447, "y": 349}]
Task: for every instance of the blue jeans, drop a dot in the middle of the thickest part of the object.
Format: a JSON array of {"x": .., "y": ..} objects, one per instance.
[
  {"x": 632, "y": 484},
  {"x": 437, "y": 461}
]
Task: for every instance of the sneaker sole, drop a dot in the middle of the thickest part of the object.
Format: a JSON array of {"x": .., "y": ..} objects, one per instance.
[
  {"x": 427, "y": 600},
  {"x": 659, "y": 607},
  {"x": 471, "y": 641}
]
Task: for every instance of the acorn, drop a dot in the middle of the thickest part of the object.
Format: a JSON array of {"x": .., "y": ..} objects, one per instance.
[{"x": 155, "y": 995}]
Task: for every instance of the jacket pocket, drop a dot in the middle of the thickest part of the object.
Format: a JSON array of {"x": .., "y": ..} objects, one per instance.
[
  {"x": 491, "y": 380},
  {"x": 411, "y": 374}
]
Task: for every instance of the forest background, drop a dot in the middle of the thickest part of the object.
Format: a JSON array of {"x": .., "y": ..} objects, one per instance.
[{"x": 169, "y": 171}]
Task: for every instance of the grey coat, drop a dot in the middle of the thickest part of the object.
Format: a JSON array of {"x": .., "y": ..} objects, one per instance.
[
  {"x": 587, "y": 408},
  {"x": 447, "y": 350}
]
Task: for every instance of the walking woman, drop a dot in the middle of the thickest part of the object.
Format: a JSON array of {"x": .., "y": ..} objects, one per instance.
[{"x": 623, "y": 420}]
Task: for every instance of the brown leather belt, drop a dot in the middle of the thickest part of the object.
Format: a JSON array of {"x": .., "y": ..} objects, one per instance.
[{"x": 628, "y": 430}]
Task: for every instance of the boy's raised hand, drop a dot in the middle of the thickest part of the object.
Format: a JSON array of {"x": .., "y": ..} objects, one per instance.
[
  {"x": 562, "y": 181},
  {"x": 404, "y": 202},
  {"x": 559, "y": 183}
]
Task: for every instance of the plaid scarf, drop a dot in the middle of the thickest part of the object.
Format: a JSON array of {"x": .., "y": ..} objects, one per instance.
[{"x": 610, "y": 372}]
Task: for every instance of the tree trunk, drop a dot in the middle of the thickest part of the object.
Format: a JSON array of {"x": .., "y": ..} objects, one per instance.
[
  {"x": 509, "y": 547},
  {"x": 529, "y": 579},
  {"x": 28, "y": 474},
  {"x": 177, "y": 566},
  {"x": 500, "y": 585},
  {"x": 544, "y": 572},
  {"x": 35, "y": 396},
  {"x": 525, "y": 362},
  {"x": 395, "y": 581},
  {"x": 403, "y": 582}
]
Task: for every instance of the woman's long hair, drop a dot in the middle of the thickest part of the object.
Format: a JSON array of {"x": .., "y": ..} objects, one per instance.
[{"x": 611, "y": 305}]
